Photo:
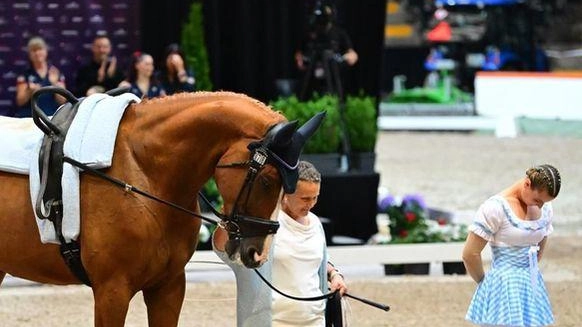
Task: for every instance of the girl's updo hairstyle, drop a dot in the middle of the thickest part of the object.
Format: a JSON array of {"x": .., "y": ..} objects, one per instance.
[{"x": 545, "y": 177}]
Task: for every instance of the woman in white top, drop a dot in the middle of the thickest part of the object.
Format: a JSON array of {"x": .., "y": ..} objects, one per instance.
[
  {"x": 515, "y": 223},
  {"x": 299, "y": 266}
]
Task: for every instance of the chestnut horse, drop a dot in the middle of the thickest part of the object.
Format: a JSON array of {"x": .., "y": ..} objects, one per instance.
[{"x": 168, "y": 147}]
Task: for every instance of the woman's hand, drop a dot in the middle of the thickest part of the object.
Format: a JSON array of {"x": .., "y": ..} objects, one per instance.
[
  {"x": 53, "y": 75},
  {"x": 336, "y": 281}
]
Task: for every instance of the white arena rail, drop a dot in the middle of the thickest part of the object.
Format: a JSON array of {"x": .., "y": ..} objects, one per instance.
[
  {"x": 341, "y": 256},
  {"x": 370, "y": 254}
]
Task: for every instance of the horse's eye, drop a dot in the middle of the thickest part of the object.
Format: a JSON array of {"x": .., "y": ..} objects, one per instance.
[{"x": 265, "y": 182}]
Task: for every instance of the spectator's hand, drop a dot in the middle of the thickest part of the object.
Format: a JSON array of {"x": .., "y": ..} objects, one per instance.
[
  {"x": 112, "y": 67},
  {"x": 101, "y": 71},
  {"x": 350, "y": 57},
  {"x": 178, "y": 62},
  {"x": 124, "y": 84},
  {"x": 299, "y": 60},
  {"x": 95, "y": 89},
  {"x": 337, "y": 283},
  {"x": 33, "y": 87},
  {"x": 53, "y": 75}
]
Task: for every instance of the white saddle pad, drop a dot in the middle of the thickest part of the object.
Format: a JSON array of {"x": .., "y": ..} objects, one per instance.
[{"x": 90, "y": 140}]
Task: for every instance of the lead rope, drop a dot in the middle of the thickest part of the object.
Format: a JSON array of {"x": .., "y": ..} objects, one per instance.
[{"x": 315, "y": 298}]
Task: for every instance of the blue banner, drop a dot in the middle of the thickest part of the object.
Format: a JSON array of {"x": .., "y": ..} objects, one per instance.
[{"x": 68, "y": 27}]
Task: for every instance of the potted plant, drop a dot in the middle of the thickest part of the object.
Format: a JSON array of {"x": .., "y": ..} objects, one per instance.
[
  {"x": 409, "y": 223},
  {"x": 360, "y": 116},
  {"x": 322, "y": 148}
]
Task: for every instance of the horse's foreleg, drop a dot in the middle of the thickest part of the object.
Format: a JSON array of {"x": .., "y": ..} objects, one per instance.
[
  {"x": 164, "y": 302},
  {"x": 111, "y": 304}
]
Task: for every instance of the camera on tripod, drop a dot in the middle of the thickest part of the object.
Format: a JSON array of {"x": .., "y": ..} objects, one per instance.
[
  {"x": 321, "y": 44},
  {"x": 322, "y": 53}
]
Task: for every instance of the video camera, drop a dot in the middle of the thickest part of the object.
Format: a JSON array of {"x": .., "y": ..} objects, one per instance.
[
  {"x": 320, "y": 44},
  {"x": 321, "y": 16}
]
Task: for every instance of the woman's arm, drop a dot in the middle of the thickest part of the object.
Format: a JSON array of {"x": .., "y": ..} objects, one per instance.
[
  {"x": 23, "y": 93},
  {"x": 472, "y": 256}
]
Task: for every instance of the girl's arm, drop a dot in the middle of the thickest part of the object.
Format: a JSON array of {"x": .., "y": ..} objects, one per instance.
[{"x": 472, "y": 256}]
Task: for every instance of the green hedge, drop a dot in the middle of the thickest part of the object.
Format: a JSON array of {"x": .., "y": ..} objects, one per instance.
[
  {"x": 360, "y": 114},
  {"x": 361, "y": 123},
  {"x": 327, "y": 137}
]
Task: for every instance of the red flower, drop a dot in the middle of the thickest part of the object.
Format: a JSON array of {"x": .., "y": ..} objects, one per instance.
[
  {"x": 403, "y": 233},
  {"x": 442, "y": 221},
  {"x": 410, "y": 217}
]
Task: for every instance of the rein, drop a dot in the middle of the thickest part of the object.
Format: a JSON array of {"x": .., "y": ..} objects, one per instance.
[
  {"x": 131, "y": 188},
  {"x": 237, "y": 226},
  {"x": 315, "y": 298},
  {"x": 324, "y": 296}
]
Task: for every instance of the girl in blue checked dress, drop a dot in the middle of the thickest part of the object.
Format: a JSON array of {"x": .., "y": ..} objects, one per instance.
[{"x": 515, "y": 223}]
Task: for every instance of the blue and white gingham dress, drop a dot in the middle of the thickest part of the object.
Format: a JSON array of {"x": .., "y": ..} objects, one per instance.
[{"x": 512, "y": 292}]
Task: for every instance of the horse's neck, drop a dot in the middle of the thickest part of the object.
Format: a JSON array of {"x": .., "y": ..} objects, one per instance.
[{"x": 180, "y": 143}]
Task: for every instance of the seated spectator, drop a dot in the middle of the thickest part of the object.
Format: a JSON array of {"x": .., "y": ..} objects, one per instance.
[
  {"x": 101, "y": 73},
  {"x": 174, "y": 75},
  {"x": 140, "y": 77},
  {"x": 39, "y": 73}
]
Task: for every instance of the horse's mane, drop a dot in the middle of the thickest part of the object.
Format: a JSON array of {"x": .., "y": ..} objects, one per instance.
[{"x": 178, "y": 100}]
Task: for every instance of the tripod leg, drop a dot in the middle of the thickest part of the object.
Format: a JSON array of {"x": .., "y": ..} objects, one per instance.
[
  {"x": 334, "y": 83},
  {"x": 306, "y": 82},
  {"x": 330, "y": 88}
]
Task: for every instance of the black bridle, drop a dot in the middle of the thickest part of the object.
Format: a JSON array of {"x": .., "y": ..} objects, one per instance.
[{"x": 237, "y": 225}]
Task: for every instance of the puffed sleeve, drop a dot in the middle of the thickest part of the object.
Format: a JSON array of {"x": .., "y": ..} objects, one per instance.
[{"x": 488, "y": 219}]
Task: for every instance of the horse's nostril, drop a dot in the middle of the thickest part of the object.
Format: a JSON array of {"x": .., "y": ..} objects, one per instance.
[{"x": 251, "y": 252}]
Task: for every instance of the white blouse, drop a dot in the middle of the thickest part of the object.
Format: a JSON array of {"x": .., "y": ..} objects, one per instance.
[{"x": 496, "y": 222}]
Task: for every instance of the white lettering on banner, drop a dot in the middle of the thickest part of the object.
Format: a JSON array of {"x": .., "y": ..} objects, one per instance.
[
  {"x": 69, "y": 33},
  {"x": 72, "y": 5},
  {"x": 77, "y": 19},
  {"x": 53, "y": 5},
  {"x": 45, "y": 19},
  {"x": 120, "y": 32},
  {"x": 21, "y": 5},
  {"x": 96, "y": 19}
]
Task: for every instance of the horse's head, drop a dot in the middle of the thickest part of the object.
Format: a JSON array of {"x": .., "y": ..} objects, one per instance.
[{"x": 251, "y": 193}]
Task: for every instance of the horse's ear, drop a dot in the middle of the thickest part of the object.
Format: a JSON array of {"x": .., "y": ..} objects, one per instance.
[
  {"x": 283, "y": 134},
  {"x": 311, "y": 126},
  {"x": 290, "y": 147}
]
